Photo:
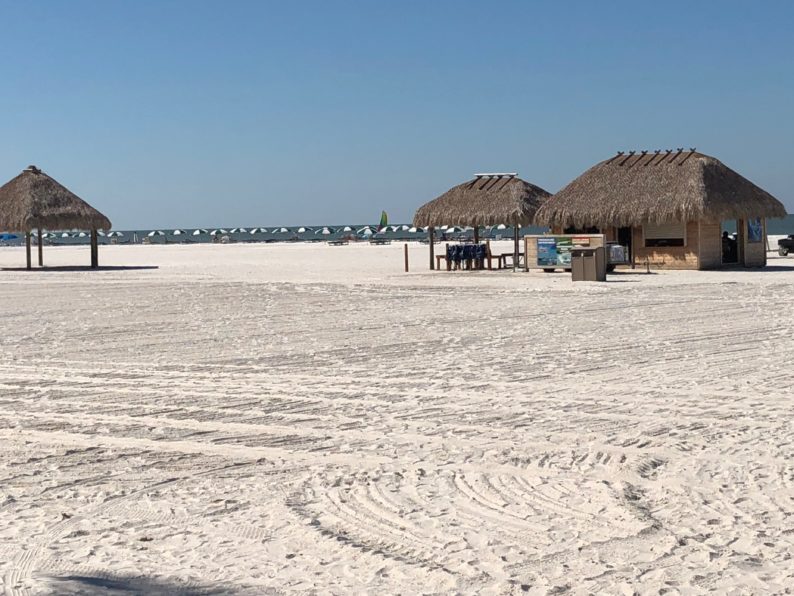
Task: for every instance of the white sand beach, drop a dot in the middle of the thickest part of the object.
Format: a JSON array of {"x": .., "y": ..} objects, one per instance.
[{"x": 309, "y": 419}]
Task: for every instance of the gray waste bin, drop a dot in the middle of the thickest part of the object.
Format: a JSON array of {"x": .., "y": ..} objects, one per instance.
[{"x": 588, "y": 264}]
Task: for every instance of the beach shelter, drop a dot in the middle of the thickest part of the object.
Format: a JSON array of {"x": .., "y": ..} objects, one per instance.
[
  {"x": 178, "y": 232},
  {"x": 280, "y": 230},
  {"x": 34, "y": 201},
  {"x": 219, "y": 232},
  {"x": 200, "y": 231},
  {"x": 487, "y": 199},
  {"x": 668, "y": 208},
  {"x": 154, "y": 234},
  {"x": 325, "y": 231},
  {"x": 257, "y": 231}
]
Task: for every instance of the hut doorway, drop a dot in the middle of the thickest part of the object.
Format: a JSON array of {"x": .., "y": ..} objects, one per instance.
[
  {"x": 730, "y": 243},
  {"x": 624, "y": 239}
]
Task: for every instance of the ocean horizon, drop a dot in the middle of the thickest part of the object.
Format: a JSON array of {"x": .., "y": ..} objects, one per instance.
[
  {"x": 255, "y": 234},
  {"x": 318, "y": 233}
]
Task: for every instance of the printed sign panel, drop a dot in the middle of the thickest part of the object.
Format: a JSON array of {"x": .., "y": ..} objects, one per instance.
[
  {"x": 564, "y": 246},
  {"x": 547, "y": 252},
  {"x": 555, "y": 251},
  {"x": 755, "y": 230}
]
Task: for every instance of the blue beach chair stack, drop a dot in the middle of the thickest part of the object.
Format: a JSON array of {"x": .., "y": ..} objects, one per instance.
[{"x": 468, "y": 256}]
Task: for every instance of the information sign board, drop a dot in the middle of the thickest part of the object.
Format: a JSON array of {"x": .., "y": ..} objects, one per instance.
[{"x": 555, "y": 251}]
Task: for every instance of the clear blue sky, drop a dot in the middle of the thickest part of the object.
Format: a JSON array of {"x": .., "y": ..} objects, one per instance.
[{"x": 197, "y": 113}]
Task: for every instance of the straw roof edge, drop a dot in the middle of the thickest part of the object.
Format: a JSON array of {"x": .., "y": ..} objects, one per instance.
[{"x": 35, "y": 200}]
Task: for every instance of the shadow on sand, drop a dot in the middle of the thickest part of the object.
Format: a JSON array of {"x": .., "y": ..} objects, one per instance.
[
  {"x": 46, "y": 269},
  {"x": 631, "y": 272},
  {"x": 117, "y": 585},
  {"x": 771, "y": 268}
]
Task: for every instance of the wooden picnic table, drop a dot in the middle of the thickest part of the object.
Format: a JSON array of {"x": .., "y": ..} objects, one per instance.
[{"x": 503, "y": 258}]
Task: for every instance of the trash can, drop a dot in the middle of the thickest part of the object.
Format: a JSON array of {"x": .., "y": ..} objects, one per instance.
[{"x": 588, "y": 264}]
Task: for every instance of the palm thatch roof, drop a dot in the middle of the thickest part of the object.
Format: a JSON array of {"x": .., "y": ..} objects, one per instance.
[
  {"x": 34, "y": 200},
  {"x": 659, "y": 187},
  {"x": 488, "y": 199}
]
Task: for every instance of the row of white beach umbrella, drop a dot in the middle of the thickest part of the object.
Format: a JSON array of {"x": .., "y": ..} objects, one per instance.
[
  {"x": 301, "y": 230},
  {"x": 326, "y": 231},
  {"x": 50, "y": 235}
]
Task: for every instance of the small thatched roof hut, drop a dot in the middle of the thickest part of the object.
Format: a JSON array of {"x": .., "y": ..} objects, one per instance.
[
  {"x": 636, "y": 188},
  {"x": 33, "y": 200},
  {"x": 488, "y": 199}
]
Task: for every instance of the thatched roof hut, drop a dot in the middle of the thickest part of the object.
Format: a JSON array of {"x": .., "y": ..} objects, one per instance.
[
  {"x": 34, "y": 200},
  {"x": 659, "y": 187},
  {"x": 488, "y": 199}
]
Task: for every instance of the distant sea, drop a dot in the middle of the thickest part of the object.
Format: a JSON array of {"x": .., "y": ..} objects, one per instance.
[
  {"x": 257, "y": 234},
  {"x": 775, "y": 227}
]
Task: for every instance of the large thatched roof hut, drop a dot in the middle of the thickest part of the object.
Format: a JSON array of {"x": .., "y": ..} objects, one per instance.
[
  {"x": 33, "y": 200},
  {"x": 487, "y": 199},
  {"x": 668, "y": 207}
]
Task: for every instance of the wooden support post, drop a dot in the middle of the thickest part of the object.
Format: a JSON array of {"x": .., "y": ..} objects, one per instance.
[
  {"x": 766, "y": 239},
  {"x": 476, "y": 234},
  {"x": 405, "y": 251},
  {"x": 27, "y": 249},
  {"x": 515, "y": 246},
  {"x": 41, "y": 249},
  {"x": 526, "y": 254},
  {"x": 449, "y": 261},
  {"x": 94, "y": 250},
  {"x": 741, "y": 242},
  {"x": 430, "y": 234},
  {"x": 488, "y": 252}
]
